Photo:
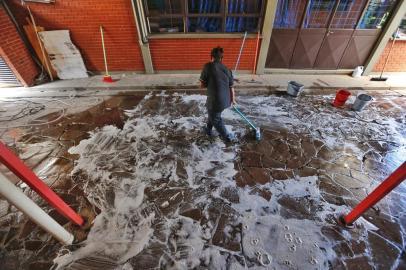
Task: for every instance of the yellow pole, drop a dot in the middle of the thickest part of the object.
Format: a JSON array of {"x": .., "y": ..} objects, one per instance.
[{"x": 104, "y": 51}]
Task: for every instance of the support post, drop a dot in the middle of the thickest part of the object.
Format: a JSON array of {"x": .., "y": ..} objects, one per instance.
[
  {"x": 267, "y": 28},
  {"x": 388, "y": 31},
  {"x": 139, "y": 18},
  {"x": 17, "y": 198},
  {"x": 14, "y": 164},
  {"x": 397, "y": 177}
]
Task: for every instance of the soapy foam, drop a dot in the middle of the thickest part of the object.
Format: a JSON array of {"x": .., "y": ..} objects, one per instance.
[{"x": 122, "y": 230}]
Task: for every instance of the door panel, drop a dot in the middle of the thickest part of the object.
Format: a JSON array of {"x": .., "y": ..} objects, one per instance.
[
  {"x": 326, "y": 34},
  {"x": 333, "y": 47},
  {"x": 311, "y": 36},
  {"x": 288, "y": 19},
  {"x": 307, "y": 48},
  {"x": 359, "y": 48},
  {"x": 281, "y": 48}
]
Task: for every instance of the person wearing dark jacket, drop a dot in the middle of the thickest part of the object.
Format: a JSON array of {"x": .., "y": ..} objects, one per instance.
[{"x": 220, "y": 93}]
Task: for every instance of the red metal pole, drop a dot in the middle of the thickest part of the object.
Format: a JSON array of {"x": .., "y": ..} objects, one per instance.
[
  {"x": 14, "y": 164},
  {"x": 381, "y": 191}
]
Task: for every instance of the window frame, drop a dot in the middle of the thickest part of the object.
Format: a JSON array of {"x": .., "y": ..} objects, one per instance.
[{"x": 185, "y": 15}]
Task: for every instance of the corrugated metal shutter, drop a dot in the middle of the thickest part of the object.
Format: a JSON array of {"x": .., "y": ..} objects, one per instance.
[{"x": 6, "y": 75}]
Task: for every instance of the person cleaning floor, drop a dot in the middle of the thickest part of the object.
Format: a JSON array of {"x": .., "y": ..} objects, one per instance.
[{"x": 220, "y": 93}]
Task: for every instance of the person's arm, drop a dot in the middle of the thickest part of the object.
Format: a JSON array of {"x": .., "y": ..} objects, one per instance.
[
  {"x": 204, "y": 77},
  {"x": 232, "y": 93},
  {"x": 231, "y": 86}
]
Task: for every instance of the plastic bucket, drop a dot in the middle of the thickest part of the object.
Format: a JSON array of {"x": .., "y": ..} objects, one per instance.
[
  {"x": 358, "y": 72},
  {"x": 294, "y": 88},
  {"x": 341, "y": 97},
  {"x": 361, "y": 101}
]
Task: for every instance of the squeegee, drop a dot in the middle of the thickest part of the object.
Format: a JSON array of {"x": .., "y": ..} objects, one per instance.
[{"x": 255, "y": 129}]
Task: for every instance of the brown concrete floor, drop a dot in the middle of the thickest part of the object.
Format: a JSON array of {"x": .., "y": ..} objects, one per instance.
[{"x": 277, "y": 198}]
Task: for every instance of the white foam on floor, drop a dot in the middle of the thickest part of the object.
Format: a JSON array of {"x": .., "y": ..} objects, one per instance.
[{"x": 123, "y": 229}]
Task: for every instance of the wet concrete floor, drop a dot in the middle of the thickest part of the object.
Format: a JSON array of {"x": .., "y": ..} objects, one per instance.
[{"x": 168, "y": 197}]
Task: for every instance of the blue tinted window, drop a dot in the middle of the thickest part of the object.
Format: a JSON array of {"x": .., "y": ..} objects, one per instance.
[
  {"x": 377, "y": 14},
  {"x": 289, "y": 13}
]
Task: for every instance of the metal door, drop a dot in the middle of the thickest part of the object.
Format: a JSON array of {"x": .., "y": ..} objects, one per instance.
[
  {"x": 311, "y": 36},
  {"x": 325, "y": 34},
  {"x": 288, "y": 20},
  {"x": 359, "y": 48},
  {"x": 7, "y": 77},
  {"x": 369, "y": 28},
  {"x": 333, "y": 47},
  {"x": 341, "y": 28},
  {"x": 281, "y": 48}
]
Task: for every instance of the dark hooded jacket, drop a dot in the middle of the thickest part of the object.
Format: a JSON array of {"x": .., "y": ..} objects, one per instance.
[{"x": 218, "y": 79}]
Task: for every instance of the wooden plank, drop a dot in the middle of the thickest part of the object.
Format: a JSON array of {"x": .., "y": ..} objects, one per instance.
[{"x": 32, "y": 37}]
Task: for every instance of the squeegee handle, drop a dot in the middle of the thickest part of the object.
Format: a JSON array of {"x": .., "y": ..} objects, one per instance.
[{"x": 244, "y": 117}]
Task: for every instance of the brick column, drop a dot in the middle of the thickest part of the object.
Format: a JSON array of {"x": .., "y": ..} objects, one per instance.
[{"x": 14, "y": 52}]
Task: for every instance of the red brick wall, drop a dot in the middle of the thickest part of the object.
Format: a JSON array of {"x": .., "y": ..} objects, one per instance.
[
  {"x": 192, "y": 54},
  {"x": 83, "y": 18},
  {"x": 14, "y": 52},
  {"x": 397, "y": 58}
]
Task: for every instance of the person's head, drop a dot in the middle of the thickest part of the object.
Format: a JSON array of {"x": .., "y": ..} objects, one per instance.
[{"x": 217, "y": 54}]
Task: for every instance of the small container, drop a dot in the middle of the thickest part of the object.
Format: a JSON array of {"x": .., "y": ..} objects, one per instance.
[
  {"x": 294, "y": 88},
  {"x": 341, "y": 97},
  {"x": 358, "y": 72},
  {"x": 360, "y": 102}
]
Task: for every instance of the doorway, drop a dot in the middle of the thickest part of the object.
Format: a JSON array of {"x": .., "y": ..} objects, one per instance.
[{"x": 324, "y": 34}]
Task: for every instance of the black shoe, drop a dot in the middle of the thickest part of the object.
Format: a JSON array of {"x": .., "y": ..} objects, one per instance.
[
  {"x": 208, "y": 132},
  {"x": 230, "y": 138}
]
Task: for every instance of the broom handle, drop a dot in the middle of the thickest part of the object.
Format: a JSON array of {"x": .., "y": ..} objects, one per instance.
[
  {"x": 390, "y": 50},
  {"x": 244, "y": 117},
  {"x": 104, "y": 50},
  {"x": 239, "y": 55}
]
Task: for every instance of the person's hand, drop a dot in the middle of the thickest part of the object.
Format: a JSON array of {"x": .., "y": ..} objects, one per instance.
[{"x": 232, "y": 95}]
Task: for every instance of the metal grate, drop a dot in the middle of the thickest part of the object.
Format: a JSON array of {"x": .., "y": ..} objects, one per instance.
[
  {"x": 347, "y": 14},
  {"x": 377, "y": 14},
  {"x": 6, "y": 75},
  {"x": 318, "y": 13},
  {"x": 289, "y": 13}
]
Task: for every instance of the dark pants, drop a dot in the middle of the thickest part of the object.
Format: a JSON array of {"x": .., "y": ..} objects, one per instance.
[{"x": 215, "y": 120}]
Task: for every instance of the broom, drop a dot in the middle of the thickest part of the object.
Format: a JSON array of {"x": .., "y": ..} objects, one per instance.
[{"x": 380, "y": 78}]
